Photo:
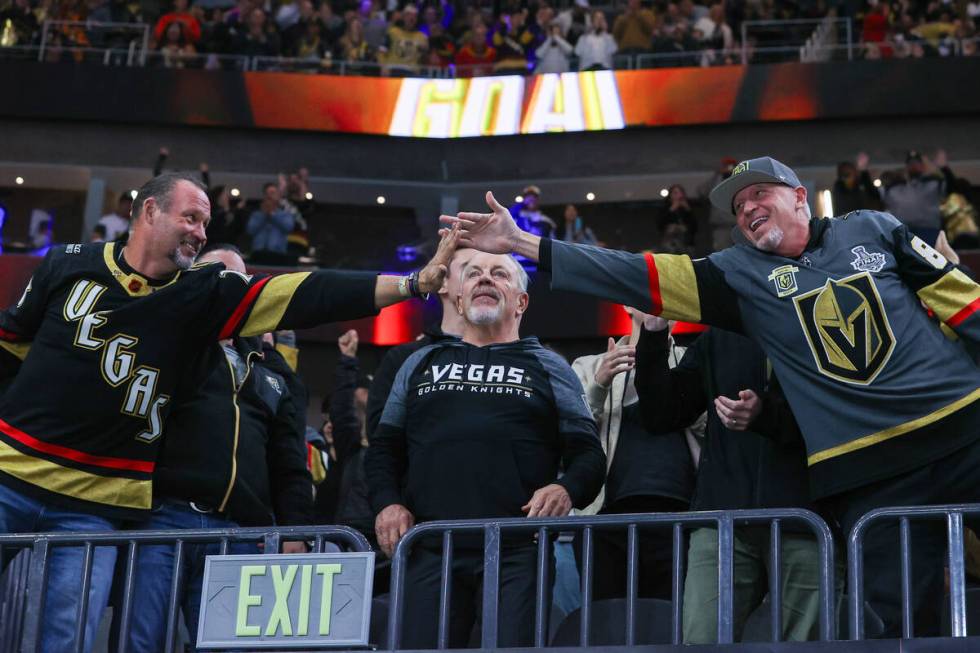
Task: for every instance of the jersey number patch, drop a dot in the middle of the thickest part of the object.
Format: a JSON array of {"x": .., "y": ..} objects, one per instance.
[{"x": 847, "y": 328}]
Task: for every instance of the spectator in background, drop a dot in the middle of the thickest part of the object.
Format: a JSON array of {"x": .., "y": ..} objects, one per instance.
[
  {"x": 175, "y": 48},
  {"x": 442, "y": 49},
  {"x": 333, "y": 25},
  {"x": 647, "y": 472},
  {"x": 914, "y": 195},
  {"x": 406, "y": 46},
  {"x": 227, "y": 216},
  {"x": 374, "y": 23},
  {"x": 511, "y": 40},
  {"x": 295, "y": 30},
  {"x": 18, "y": 24},
  {"x": 573, "y": 229},
  {"x": 575, "y": 21},
  {"x": 676, "y": 220},
  {"x": 874, "y": 31},
  {"x": 353, "y": 47},
  {"x": 721, "y": 222},
  {"x": 595, "y": 49},
  {"x": 756, "y": 461},
  {"x": 553, "y": 55},
  {"x": 259, "y": 38},
  {"x": 312, "y": 45},
  {"x": 476, "y": 57},
  {"x": 98, "y": 234},
  {"x": 180, "y": 14},
  {"x": 117, "y": 223},
  {"x": 853, "y": 188},
  {"x": 270, "y": 225},
  {"x": 716, "y": 36},
  {"x": 633, "y": 29},
  {"x": 527, "y": 213},
  {"x": 343, "y": 426}
]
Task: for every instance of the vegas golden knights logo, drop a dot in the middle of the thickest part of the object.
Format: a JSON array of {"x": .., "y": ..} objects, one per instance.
[{"x": 846, "y": 326}]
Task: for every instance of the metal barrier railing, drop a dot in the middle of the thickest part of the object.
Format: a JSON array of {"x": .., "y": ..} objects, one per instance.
[
  {"x": 26, "y": 616},
  {"x": 724, "y": 521},
  {"x": 953, "y": 514}
]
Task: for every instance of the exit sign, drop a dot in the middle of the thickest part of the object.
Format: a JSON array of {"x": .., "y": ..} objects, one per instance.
[{"x": 286, "y": 601}]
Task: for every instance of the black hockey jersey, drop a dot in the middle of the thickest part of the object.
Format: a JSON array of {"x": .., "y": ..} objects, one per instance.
[{"x": 102, "y": 349}]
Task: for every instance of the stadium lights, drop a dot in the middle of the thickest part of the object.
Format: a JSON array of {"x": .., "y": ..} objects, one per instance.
[
  {"x": 309, "y": 195},
  {"x": 19, "y": 180},
  {"x": 877, "y": 183},
  {"x": 664, "y": 192},
  {"x": 235, "y": 192},
  {"x": 590, "y": 196},
  {"x": 827, "y": 200},
  {"x": 381, "y": 199},
  {"x": 133, "y": 194},
  {"x": 518, "y": 198}
]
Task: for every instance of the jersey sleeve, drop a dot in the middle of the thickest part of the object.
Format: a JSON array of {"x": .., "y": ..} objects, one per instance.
[
  {"x": 250, "y": 305},
  {"x": 20, "y": 322},
  {"x": 947, "y": 291},
  {"x": 672, "y": 286},
  {"x": 582, "y": 455}
]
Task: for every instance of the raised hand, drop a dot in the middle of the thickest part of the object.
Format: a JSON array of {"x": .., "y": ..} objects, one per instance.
[
  {"x": 348, "y": 343},
  {"x": 494, "y": 232},
  {"x": 617, "y": 359},
  {"x": 433, "y": 274}
]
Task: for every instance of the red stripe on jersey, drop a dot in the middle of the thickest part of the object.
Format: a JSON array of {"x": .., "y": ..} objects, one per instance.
[
  {"x": 73, "y": 454},
  {"x": 228, "y": 330},
  {"x": 10, "y": 336},
  {"x": 960, "y": 317},
  {"x": 654, "y": 279}
]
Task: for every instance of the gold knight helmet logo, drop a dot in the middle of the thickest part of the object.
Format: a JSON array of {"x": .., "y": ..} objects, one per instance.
[{"x": 847, "y": 329}]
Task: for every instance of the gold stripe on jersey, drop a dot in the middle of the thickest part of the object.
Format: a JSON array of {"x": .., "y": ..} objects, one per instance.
[
  {"x": 272, "y": 303},
  {"x": 135, "y": 285},
  {"x": 18, "y": 349},
  {"x": 678, "y": 287},
  {"x": 950, "y": 294},
  {"x": 76, "y": 483},
  {"x": 894, "y": 431}
]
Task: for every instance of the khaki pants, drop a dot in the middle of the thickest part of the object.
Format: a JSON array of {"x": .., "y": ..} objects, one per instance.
[{"x": 800, "y": 585}]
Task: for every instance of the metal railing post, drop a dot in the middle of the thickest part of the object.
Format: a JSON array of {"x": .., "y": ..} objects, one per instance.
[
  {"x": 775, "y": 580},
  {"x": 491, "y": 584},
  {"x": 445, "y": 589},
  {"x": 36, "y": 588},
  {"x": 726, "y": 578},
  {"x": 957, "y": 575}
]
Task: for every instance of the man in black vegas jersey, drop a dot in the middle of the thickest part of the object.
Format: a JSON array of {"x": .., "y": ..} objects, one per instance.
[{"x": 100, "y": 337}]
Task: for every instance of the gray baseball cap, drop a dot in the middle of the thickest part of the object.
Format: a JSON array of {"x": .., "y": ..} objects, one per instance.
[{"x": 764, "y": 170}]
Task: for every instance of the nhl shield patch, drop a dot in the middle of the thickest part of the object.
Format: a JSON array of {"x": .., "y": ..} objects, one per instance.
[
  {"x": 784, "y": 278},
  {"x": 865, "y": 261}
]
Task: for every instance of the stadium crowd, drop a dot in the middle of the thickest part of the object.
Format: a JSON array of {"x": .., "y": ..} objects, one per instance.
[{"x": 476, "y": 38}]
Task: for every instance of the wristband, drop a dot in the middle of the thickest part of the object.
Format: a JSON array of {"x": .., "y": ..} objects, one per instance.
[
  {"x": 403, "y": 287},
  {"x": 413, "y": 286}
]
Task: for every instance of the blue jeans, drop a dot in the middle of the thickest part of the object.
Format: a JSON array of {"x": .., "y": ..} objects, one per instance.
[
  {"x": 21, "y": 513},
  {"x": 155, "y": 570}
]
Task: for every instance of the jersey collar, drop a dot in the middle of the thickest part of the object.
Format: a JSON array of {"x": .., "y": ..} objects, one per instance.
[{"x": 134, "y": 283}]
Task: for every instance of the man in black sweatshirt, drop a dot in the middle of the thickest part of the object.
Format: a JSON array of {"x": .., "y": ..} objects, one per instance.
[{"x": 478, "y": 428}]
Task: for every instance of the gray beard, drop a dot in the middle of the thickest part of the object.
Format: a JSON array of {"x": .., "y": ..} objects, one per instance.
[
  {"x": 182, "y": 262},
  {"x": 772, "y": 240},
  {"x": 482, "y": 315}
]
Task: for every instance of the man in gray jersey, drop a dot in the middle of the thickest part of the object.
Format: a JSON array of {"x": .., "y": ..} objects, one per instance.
[{"x": 886, "y": 402}]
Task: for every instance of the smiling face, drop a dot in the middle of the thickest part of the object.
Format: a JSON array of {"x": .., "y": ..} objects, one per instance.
[
  {"x": 177, "y": 226},
  {"x": 492, "y": 290},
  {"x": 767, "y": 212}
]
